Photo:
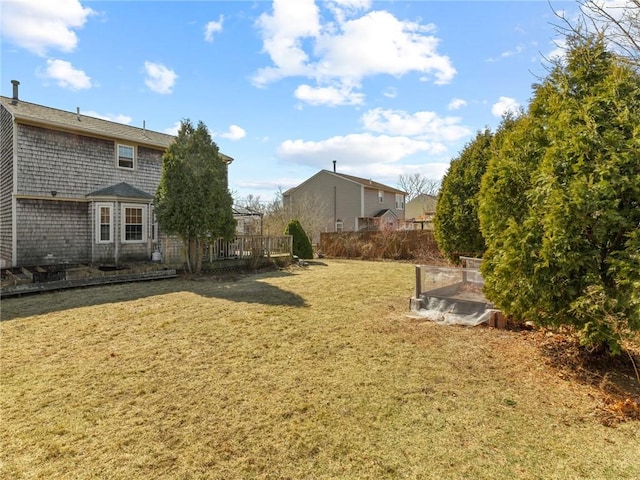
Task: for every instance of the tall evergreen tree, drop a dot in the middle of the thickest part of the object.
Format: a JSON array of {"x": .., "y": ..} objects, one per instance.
[
  {"x": 572, "y": 255},
  {"x": 456, "y": 225},
  {"x": 193, "y": 200}
]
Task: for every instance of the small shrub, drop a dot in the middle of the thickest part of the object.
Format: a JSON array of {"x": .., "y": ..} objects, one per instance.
[{"x": 301, "y": 244}]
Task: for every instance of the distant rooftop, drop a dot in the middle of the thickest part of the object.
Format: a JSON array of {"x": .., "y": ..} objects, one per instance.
[{"x": 366, "y": 182}]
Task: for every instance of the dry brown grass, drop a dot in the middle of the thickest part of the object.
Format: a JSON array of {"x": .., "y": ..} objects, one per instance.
[{"x": 314, "y": 372}]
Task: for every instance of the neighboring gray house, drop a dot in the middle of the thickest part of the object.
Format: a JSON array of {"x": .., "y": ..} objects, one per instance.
[
  {"x": 351, "y": 203},
  {"x": 421, "y": 210},
  {"x": 75, "y": 188}
]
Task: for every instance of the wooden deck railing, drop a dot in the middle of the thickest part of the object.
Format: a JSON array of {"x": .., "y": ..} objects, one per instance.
[{"x": 241, "y": 247}]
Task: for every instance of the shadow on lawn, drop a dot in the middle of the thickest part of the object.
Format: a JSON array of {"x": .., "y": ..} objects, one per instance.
[
  {"x": 241, "y": 288},
  {"x": 617, "y": 378}
]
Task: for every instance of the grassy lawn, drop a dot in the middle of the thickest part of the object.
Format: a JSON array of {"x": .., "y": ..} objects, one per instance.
[{"x": 315, "y": 372}]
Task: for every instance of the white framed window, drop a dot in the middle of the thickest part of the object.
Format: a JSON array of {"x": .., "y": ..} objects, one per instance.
[
  {"x": 104, "y": 223},
  {"x": 339, "y": 226},
  {"x": 134, "y": 223},
  {"x": 380, "y": 196},
  {"x": 154, "y": 228},
  {"x": 126, "y": 156},
  {"x": 399, "y": 202}
]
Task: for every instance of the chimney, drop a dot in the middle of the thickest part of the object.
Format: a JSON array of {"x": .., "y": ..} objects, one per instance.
[
  {"x": 15, "y": 84},
  {"x": 334, "y": 166}
]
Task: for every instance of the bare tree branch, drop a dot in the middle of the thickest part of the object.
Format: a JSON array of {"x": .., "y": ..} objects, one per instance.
[
  {"x": 618, "y": 21},
  {"x": 416, "y": 184}
]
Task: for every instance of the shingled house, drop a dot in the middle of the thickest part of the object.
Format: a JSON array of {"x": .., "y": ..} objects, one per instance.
[{"x": 75, "y": 188}]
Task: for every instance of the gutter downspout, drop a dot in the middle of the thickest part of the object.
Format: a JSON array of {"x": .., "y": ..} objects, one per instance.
[
  {"x": 116, "y": 224},
  {"x": 335, "y": 207}
]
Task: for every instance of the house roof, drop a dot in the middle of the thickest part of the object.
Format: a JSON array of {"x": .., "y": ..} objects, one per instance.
[
  {"x": 122, "y": 189},
  {"x": 245, "y": 211},
  {"x": 365, "y": 182},
  {"x": 39, "y": 115},
  {"x": 429, "y": 202}
]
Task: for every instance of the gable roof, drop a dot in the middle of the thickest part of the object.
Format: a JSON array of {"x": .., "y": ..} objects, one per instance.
[
  {"x": 39, "y": 115},
  {"x": 367, "y": 183},
  {"x": 384, "y": 212},
  {"x": 32, "y": 113},
  {"x": 428, "y": 201},
  {"x": 122, "y": 189}
]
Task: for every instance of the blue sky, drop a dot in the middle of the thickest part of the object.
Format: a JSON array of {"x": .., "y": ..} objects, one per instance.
[{"x": 288, "y": 86}]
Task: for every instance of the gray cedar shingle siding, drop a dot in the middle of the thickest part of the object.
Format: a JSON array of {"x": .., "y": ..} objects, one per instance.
[
  {"x": 74, "y": 165},
  {"x": 59, "y": 229},
  {"x": 58, "y": 159},
  {"x": 6, "y": 187}
]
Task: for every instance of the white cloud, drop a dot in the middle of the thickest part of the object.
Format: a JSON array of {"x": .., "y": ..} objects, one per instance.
[
  {"x": 559, "y": 52},
  {"x": 65, "y": 75},
  {"x": 379, "y": 43},
  {"x": 269, "y": 185},
  {"x": 234, "y": 133},
  {"x": 390, "y": 92},
  {"x": 40, "y": 26},
  {"x": 339, "y": 54},
  {"x": 389, "y": 173},
  {"x": 510, "y": 53},
  {"x": 341, "y": 9},
  {"x": 456, "y": 104},
  {"x": 160, "y": 79},
  {"x": 359, "y": 149},
  {"x": 119, "y": 117},
  {"x": 422, "y": 125},
  {"x": 173, "y": 130},
  {"x": 330, "y": 96},
  {"x": 213, "y": 27},
  {"x": 282, "y": 32},
  {"x": 505, "y": 105}
]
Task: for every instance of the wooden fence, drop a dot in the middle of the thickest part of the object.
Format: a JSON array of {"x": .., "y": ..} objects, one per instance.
[{"x": 242, "y": 247}]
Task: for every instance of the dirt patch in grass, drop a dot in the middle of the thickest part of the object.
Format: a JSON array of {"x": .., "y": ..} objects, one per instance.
[
  {"x": 310, "y": 372},
  {"x": 617, "y": 379}
]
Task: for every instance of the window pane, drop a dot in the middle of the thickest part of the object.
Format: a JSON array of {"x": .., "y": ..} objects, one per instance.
[
  {"x": 133, "y": 224},
  {"x": 125, "y": 156},
  {"x": 105, "y": 233},
  {"x": 105, "y": 224},
  {"x": 125, "y": 151},
  {"x": 133, "y": 232}
]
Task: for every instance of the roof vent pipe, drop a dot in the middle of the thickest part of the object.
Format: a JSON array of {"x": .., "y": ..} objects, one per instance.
[
  {"x": 334, "y": 166},
  {"x": 15, "y": 84},
  {"x": 144, "y": 126},
  {"x": 78, "y": 113}
]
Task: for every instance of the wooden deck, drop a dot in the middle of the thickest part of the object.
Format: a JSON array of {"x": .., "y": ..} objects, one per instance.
[{"x": 91, "y": 278}]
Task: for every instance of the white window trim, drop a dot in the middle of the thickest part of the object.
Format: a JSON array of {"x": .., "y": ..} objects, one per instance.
[
  {"x": 399, "y": 202},
  {"x": 339, "y": 226},
  {"x": 99, "y": 207},
  {"x": 123, "y": 223},
  {"x": 380, "y": 196},
  {"x": 135, "y": 156}
]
